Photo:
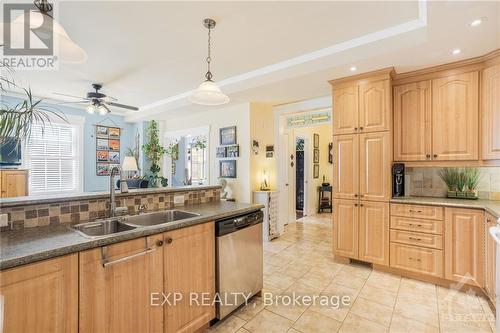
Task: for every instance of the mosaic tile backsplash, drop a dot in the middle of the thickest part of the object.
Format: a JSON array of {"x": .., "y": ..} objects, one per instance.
[
  {"x": 89, "y": 210},
  {"x": 425, "y": 182}
]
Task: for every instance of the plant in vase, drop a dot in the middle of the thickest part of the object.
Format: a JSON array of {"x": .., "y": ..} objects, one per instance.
[
  {"x": 473, "y": 176},
  {"x": 154, "y": 151},
  {"x": 461, "y": 182},
  {"x": 450, "y": 178}
]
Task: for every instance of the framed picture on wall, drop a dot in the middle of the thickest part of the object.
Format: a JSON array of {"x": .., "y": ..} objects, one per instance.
[
  {"x": 227, "y": 136},
  {"x": 233, "y": 151},
  {"x": 221, "y": 152},
  {"x": 316, "y": 156},
  {"x": 330, "y": 153},
  {"x": 227, "y": 169},
  {"x": 107, "y": 149},
  {"x": 316, "y": 140},
  {"x": 102, "y": 156},
  {"x": 316, "y": 171}
]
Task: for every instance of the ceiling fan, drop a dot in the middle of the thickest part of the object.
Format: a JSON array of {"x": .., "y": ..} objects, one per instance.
[{"x": 98, "y": 102}]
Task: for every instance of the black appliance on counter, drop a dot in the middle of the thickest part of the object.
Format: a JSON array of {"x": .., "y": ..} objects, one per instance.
[{"x": 398, "y": 180}]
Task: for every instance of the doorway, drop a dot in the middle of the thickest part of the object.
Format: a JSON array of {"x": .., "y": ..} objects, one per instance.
[{"x": 299, "y": 178}]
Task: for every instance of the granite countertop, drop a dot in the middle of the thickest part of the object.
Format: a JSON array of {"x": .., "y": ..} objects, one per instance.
[
  {"x": 19, "y": 247},
  {"x": 492, "y": 207},
  {"x": 49, "y": 198}
]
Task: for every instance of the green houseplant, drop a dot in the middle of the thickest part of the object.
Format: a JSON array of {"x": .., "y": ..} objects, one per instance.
[
  {"x": 154, "y": 152},
  {"x": 461, "y": 182}
]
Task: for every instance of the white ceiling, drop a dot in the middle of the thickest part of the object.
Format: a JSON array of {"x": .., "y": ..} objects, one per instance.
[{"x": 151, "y": 54}]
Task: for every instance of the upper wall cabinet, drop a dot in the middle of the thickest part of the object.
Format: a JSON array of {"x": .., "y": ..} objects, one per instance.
[
  {"x": 455, "y": 117},
  {"x": 412, "y": 121},
  {"x": 363, "y": 104},
  {"x": 437, "y": 119},
  {"x": 490, "y": 112}
]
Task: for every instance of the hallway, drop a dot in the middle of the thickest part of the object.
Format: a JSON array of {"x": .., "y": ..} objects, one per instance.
[{"x": 301, "y": 263}]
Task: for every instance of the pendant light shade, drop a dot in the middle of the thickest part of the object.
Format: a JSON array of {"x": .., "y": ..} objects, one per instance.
[
  {"x": 208, "y": 93},
  {"x": 68, "y": 50}
]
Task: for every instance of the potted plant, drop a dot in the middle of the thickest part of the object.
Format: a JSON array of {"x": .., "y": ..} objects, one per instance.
[
  {"x": 449, "y": 177},
  {"x": 461, "y": 182},
  {"x": 172, "y": 149},
  {"x": 473, "y": 177},
  {"x": 154, "y": 151}
]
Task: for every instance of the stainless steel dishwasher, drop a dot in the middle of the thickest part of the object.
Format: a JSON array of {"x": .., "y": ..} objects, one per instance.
[{"x": 239, "y": 260}]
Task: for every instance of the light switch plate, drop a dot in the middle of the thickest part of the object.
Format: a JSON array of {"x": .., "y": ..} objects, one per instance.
[
  {"x": 4, "y": 220},
  {"x": 178, "y": 200}
]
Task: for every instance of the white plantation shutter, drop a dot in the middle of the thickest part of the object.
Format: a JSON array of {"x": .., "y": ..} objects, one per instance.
[{"x": 53, "y": 158}]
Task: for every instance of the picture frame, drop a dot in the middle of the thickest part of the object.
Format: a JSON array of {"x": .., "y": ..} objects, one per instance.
[
  {"x": 114, "y": 145},
  {"x": 107, "y": 148},
  {"x": 316, "y": 156},
  {"x": 269, "y": 151},
  {"x": 233, "y": 151},
  {"x": 316, "y": 171},
  {"x": 113, "y": 132},
  {"x": 114, "y": 157},
  {"x": 227, "y": 136},
  {"x": 102, "y": 144},
  {"x": 102, "y": 169},
  {"x": 102, "y": 156},
  {"x": 102, "y": 131},
  {"x": 220, "y": 152},
  {"x": 330, "y": 153},
  {"x": 316, "y": 140},
  {"x": 227, "y": 169}
]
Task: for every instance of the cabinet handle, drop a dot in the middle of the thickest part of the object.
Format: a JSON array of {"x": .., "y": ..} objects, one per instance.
[
  {"x": 169, "y": 240},
  {"x": 355, "y": 195},
  {"x": 355, "y": 205},
  {"x": 414, "y": 259},
  {"x": 415, "y": 239},
  {"x": 415, "y": 211},
  {"x": 361, "y": 195},
  {"x": 428, "y": 156},
  {"x": 159, "y": 243},
  {"x": 361, "y": 128},
  {"x": 106, "y": 263},
  {"x": 355, "y": 129},
  {"x": 361, "y": 205},
  {"x": 435, "y": 155}
]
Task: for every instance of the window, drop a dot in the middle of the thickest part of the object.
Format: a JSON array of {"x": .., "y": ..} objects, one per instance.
[
  {"x": 54, "y": 158},
  {"x": 197, "y": 164}
]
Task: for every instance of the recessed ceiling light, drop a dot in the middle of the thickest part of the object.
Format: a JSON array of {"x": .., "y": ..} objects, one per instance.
[
  {"x": 456, "y": 51},
  {"x": 476, "y": 22},
  {"x": 353, "y": 68}
]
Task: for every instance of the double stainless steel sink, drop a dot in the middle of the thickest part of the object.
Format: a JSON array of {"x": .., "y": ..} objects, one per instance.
[{"x": 117, "y": 225}]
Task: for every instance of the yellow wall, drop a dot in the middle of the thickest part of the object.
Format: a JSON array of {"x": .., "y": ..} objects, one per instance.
[{"x": 262, "y": 130}]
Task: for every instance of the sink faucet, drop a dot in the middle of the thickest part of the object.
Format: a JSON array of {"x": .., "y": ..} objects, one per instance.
[{"x": 113, "y": 209}]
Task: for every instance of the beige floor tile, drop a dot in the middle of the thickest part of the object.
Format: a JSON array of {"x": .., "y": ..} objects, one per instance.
[
  {"x": 464, "y": 325},
  {"x": 268, "y": 322},
  {"x": 340, "y": 290},
  {"x": 384, "y": 281},
  {"x": 287, "y": 310},
  {"x": 358, "y": 270},
  {"x": 279, "y": 280},
  {"x": 357, "y": 324},
  {"x": 293, "y": 330},
  {"x": 242, "y": 330},
  {"x": 230, "y": 324},
  {"x": 401, "y": 324},
  {"x": 415, "y": 287},
  {"x": 426, "y": 313},
  {"x": 316, "y": 279},
  {"x": 372, "y": 311},
  {"x": 295, "y": 270},
  {"x": 312, "y": 321},
  {"x": 378, "y": 295},
  {"x": 247, "y": 312},
  {"x": 349, "y": 280}
]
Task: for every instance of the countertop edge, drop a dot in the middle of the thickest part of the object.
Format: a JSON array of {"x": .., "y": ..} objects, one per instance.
[{"x": 87, "y": 244}]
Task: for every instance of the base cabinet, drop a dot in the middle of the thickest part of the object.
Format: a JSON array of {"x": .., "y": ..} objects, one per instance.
[
  {"x": 464, "y": 244},
  {"x": 116, "y": 283},
  {"x": 41, "y": 297},
  {"x": 13, "y": 183},
  {"x": 189, "y": 267}
]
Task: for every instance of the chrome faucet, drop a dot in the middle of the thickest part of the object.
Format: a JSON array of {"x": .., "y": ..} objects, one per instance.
[{"x": 113, "y": 209}]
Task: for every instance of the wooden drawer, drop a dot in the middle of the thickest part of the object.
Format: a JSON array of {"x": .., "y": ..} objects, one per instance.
[
  {"x": 417, "y": 259},
  {"x": 417, "y": 211},
  {"x": 418, "y": 239},
  {"x": 409, "y": 224}
]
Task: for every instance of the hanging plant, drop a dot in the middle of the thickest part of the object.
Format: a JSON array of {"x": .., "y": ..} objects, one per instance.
[
  {"x": 154, "y": 152},
  {"x": 172, "y": 149},
  {"x": 199, "y": 142}
]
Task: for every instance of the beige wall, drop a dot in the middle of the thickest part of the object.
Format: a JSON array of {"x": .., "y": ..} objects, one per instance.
[
  {"x": 232, "y": 115},
  {"x": 262, "y": 130}
]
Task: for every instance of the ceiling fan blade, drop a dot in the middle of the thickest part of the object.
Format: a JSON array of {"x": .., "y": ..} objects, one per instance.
[
  {"x": 79, "y": 97},
  {"x": 123, "y": 106},
  {"x": 75, "y": 102},
  {"x": 104, "y": 106}
]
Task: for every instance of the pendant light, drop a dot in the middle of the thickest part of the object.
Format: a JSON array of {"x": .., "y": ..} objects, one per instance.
[
  {"x": 69, "y": 51},
  {"x": 208, "y": 93}
]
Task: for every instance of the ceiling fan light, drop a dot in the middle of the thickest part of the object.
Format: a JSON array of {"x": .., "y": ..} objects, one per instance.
[
  {"x": 208, "y": 93},
  {"x": 102, "y": 110},
  {"x": 91, "y": 109}
]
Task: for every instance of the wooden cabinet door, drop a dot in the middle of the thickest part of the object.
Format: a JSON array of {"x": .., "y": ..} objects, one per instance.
[
  {"x": 412, "y": 122},
  {"x": 374, "y": 232},
  {"x": 455, "y": 117},
  {"x": 345, "y": 228},
  {"x": 464, "y": 241},
  {"x": 374, "y": 106},
  {"x": 41, "y": 297},
  {"x": 490, "y": 260},
  {"x": 189, "y": 268},
  {"x": 14, "y": 183},
  {"x": 346, "y": 166},
  {"x": 490, "y": 112},
  {"x": 345, "y": 110},
  {"x": 116, "y": 292},
  {"x": 374, "y": 166}
]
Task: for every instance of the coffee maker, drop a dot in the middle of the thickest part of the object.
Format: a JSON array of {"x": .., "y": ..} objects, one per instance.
[{"x": 398, "y": 180}]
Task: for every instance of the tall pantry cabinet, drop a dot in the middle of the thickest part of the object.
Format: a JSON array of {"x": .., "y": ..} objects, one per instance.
[{"x": 362, "y": 143}]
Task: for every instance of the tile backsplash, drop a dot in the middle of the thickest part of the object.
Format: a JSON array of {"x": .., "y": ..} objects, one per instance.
[{"x": 425, "y": 182}]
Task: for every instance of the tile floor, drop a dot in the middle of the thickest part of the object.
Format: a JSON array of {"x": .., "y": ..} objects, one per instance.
[{"x": 301, "y": 262}]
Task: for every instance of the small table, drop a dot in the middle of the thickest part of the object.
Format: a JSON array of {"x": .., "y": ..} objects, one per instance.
[{"x": 324, "y": 198}]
